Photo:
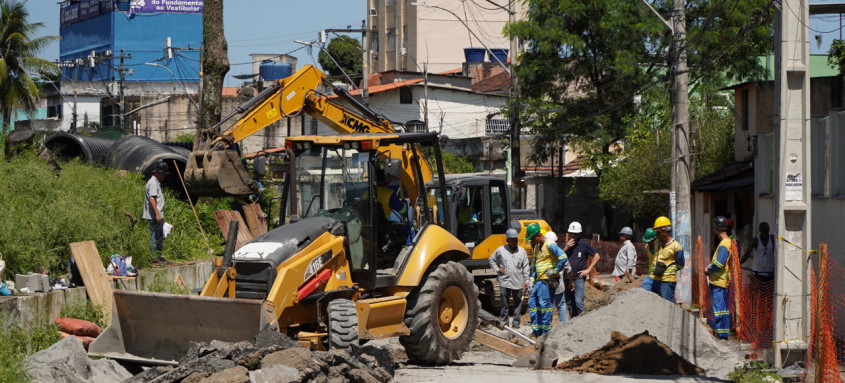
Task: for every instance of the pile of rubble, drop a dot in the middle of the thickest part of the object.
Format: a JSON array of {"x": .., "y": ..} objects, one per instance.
[
  {"x": 641, "y": 354},
  {"x": 271, "y": 357},
  {"x": 636, "y": 311}
]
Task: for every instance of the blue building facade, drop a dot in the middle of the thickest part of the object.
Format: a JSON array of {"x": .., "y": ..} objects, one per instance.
[{"x": 94, "y": 34}]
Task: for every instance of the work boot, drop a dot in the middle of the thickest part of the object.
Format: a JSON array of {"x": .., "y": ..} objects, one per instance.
[{"x": 515, "y": 325}]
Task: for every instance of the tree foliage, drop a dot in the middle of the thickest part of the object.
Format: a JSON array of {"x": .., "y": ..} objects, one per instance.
[
  {"x": 836, "y": 55},
  {"x": 347, "y": 52},
  {"x": 18, "y": 60},
  {"x": 587, "y": 60}
]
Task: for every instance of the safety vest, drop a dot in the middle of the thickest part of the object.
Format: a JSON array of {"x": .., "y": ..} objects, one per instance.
[
  {"x": 722, "y": 276},
  {"x": 545, "y": 260},
  {"x": 667, "y": 255},
  {"x": 651, "y": 254}
]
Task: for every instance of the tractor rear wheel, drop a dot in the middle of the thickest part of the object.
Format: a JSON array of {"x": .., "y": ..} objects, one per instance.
[
  {"x": 442, "y": 315},
  {"x": 343, "y": 324}
]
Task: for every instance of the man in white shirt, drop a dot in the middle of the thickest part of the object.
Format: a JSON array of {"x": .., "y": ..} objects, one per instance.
[
  {"x": 512, "y": 268},
  {"x": 626, "y": 258},
  {"x": 154, "y": 209}
]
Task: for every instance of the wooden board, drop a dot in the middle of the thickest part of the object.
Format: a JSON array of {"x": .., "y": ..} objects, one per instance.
[
  {"x": 255, "y": 218},
  {"x": 97, "y": 282},
  {"x": 223, "y": 217}
]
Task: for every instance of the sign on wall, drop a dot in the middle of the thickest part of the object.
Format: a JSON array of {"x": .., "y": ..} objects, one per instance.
[
  {"x": 166, "y": 6},
  {"x": 86, "y": 9}
]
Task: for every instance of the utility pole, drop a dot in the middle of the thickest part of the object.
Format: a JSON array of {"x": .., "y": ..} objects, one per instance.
[
  {"x": 679, "y": 198},
  {"x": 792, "y": 181},
  {"x": 365, "y": 64},
  {"x": 514, "y": 165},
  {"x": 75, "y": 73},
  {"x": 122, "y": 71},
  {"x": 681, "y": 170}
]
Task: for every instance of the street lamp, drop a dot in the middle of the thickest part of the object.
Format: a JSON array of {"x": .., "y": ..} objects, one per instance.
[
  {"x": 187, "y": 93},
  {"x": 470, "y": 31}
]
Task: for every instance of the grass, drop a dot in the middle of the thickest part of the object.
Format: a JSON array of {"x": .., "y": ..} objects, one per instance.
[
  {"x": 162, "y": 284},
  {"x": 754, "y": 372},
  {"x": 42, "y": 211},
  {"x": 17, "y": 344}
]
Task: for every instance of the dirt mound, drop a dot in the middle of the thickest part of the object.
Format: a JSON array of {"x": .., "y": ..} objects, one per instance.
[
  {"x": 595, "y": 298},
  {"x": 635, "y": 311},
  {"x": 273, "y": 357},
  {"x": 640, "y": 354}
]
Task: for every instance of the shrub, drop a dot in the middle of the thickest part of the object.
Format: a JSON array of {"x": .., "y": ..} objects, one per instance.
[
  {"x": 42, "y": 211},
  {"x": 17, "y": 344},
  {"x": 162, "y": 284},
  {"x": 85, "y": 310}
]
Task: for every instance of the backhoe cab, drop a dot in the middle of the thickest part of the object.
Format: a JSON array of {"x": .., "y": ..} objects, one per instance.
[{"x": 359, "y": 258}]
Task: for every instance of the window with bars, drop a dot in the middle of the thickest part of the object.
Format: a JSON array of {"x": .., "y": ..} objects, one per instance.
[{"x": 497, "y": 126}]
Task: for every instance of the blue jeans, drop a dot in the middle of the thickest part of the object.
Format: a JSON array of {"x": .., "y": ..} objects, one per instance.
[
  {"x": 560, "y": 303},
  {"x": 666, "y": 290},
  {"x": 156, "y": 237},
  {"x": 575, "y": 299},
  {"x": 648, "y": 283}
]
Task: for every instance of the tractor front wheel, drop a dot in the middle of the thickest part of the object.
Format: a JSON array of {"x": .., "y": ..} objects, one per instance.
[{"x": 442, "y": 315}]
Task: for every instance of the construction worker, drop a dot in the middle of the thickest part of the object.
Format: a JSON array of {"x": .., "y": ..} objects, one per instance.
[
  {"x": 154, "y": 209},
  {"x": 583, "y": 258},
  {"x": 510, "y": 262},
  {"x": 549, "y": 262},
  {"x": 669, "y": 259},
  {"x": 719, "y": 276},
  {"x": 763, "y": 247},
  {"x": 651, "y": 248},
  {"x": 626, "y": 258},
  {"x": 560, "y": 300}
]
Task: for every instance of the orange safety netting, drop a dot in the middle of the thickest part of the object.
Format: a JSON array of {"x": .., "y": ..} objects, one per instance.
[{"x": 826, "y": 349}]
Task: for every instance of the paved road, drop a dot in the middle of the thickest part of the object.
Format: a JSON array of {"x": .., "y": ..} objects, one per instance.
[{"x": 491, "y": 366}]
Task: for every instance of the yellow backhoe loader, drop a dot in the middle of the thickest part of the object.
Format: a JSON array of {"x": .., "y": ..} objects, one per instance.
[{"x": 345, "y": 268}]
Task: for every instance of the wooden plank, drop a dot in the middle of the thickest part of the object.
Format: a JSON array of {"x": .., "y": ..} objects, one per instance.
[
  {"x": 94, "y": 275},
  {"x": 255, "y": 218},
  {"x": 223, "y": 217}
]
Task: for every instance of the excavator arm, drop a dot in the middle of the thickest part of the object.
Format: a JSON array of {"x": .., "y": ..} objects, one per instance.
[{"x": 212, "y": 169}]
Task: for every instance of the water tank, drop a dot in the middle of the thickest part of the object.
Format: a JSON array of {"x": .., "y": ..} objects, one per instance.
[
  {"x": 499, "y": 53},
  {"x": 474, "y": 55},
  {"x": 270, "y": 70}
]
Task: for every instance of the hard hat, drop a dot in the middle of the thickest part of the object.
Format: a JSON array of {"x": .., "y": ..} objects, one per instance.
[
  {"x": 161, "y": 167},
  {"x": 627, "y": 231},
  {"x": 650, "y": 235},
  {"x": 764, "y": 226},
  {"x": 721, "y": 223},
  {"x": 551, "y": 236},
  {"x": 574, "y": 227},
  {"x": 511, "y": 233},
  {"x": 531, "y": 231},
  {"x": 661, "y": 222}
]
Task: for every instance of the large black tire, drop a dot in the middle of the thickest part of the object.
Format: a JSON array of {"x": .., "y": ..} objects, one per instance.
[
  {"x": 442, "y": 315},
  {"x": 343, "y": 324}
]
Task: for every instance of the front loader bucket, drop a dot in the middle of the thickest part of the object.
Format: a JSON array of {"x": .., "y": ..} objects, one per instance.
[
  {"x": 217, "y": 173},
  {"x": 157, "y": 328}
]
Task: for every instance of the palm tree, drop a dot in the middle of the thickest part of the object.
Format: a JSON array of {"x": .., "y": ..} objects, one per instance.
[{"x": 18, "y": 48}]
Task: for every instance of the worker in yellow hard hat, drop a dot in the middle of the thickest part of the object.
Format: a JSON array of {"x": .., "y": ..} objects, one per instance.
[{"x": 669, "y": 259}]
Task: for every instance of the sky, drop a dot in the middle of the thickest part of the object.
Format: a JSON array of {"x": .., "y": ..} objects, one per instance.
[{"x": 251, "y": 26}]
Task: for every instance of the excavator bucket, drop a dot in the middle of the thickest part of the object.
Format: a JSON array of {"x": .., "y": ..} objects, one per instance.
[
  {"x": 217, "y": 173},
  {"x": 157, "y": 328}
]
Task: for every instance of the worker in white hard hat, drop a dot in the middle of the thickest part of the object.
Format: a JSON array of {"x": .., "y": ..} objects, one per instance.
[
  {"x": 510, "y": 262},
  {"x": 583, "y": 258},
  {"x": 626, "y": 258}
]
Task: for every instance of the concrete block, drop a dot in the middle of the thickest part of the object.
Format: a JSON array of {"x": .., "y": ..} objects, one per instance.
[
  {"x": 45, "y": 283},
  {"x": 31, "y": 281}
]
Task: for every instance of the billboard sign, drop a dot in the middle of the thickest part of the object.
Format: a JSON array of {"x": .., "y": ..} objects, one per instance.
[{"x": 166, "y": 6}]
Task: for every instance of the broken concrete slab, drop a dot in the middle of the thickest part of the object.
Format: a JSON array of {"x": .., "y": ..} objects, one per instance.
[
  {"x": 67, "y": 361},
  {"x": 275, "y": 374}
]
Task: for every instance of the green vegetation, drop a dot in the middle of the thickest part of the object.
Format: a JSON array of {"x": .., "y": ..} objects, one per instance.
[
  {"x": 836, "y": 55},
  {"x": 85, "y": 310},
  {"x": 453, "y": 163},
  {"x": 17, "y": 344},
  {"x": 162, "y": 284},
  {"x": 42, "y": 211},
  {"x": 754, "y": 372},
  {"x": 20, "y": 46},
  {"x": 184, "y": 137},
  {"x": 346, "y": 51}
]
